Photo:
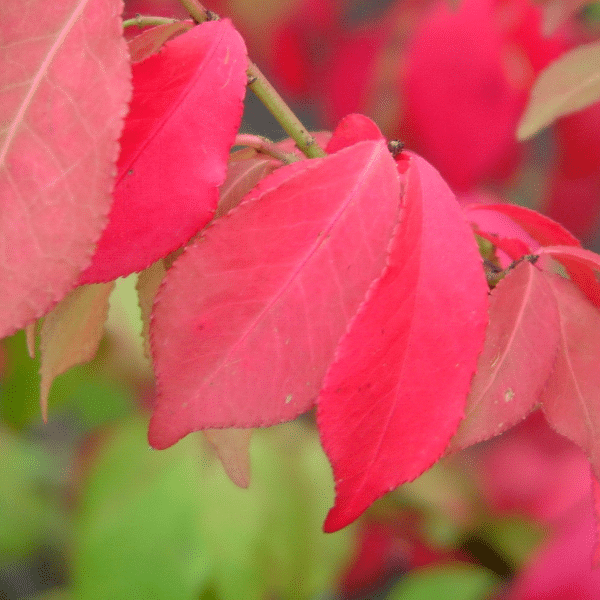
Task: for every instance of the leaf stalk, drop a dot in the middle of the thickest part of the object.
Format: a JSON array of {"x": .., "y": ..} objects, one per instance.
[{"x": 142, "y": 21}]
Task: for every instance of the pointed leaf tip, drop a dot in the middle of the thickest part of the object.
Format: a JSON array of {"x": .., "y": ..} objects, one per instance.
[
  {"x": 70, "y": 334},
  {"x": 233, "y": 449},
  {"x": 396, "y": 390}
]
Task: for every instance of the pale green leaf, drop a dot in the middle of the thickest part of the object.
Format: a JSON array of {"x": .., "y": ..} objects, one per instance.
[
  {"x": 567, "y": 85},
  {"x": 450, "y": 582}
]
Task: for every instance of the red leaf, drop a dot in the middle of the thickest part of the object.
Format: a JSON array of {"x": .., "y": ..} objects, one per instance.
[
  {"x": 497, "y": 224},
  {"x": 581, "y": 265},
  {"x": 61, "y": 104},
  {"x": 248, "y": 318},
  {"x": 575, "y": 202},
  {"x": 461, "y": 104},
  {"x": 596, "y": 497},
  {"x": 571, "y": 400},
  {"x": 353, "y": 64},
  {"x": 520, "y": 346},
  {"x": 549, "y": 233},
  {"x": 185, "y": 111},
  {"x": 578, "y": 141},
  {"x": 513, "y": 247},
  {"x": 352, "y": 129},
  {"x": 396, "y": 391},
  {"x": 546, "y": 231}
]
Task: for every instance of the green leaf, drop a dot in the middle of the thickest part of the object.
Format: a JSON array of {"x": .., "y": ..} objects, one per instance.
[
  {"x": 169, "y": 524},
  {"x": 515, "y": 537},
  {"x": 567, "y": 85},
  {"x": 28, "y": 512},
  {"x": 94, "y": 398},
  {"x": 450, "y": 582},
  {"x": 275, "y": 538},
  {"x": 20, "y": 384},
  {"x": 136, "y": 532}
]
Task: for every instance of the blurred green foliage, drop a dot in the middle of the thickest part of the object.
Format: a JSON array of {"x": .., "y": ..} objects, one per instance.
[
  {"x": 171, "y": 525},
  {"x": 468, "y": 583}
]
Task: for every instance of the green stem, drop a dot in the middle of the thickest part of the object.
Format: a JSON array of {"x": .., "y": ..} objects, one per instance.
[
  {"x": 196, "y": 10},
  {"x": 267, "y": 94},
  {"x": 276, "y": 105},
  {"x": 141, "y": 21}
]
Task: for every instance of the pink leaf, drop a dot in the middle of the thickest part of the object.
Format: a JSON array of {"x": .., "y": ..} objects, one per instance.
[
  {"x": 185, "y": 111},
  {"x": 520, "y": 346},
  {"x": 461, "y": 105},
  {"x": 532, "y": 470},
  {"x": 582, "y": 266},
  {"x": 544, "y": 230},
  {"x": 64, "y": 85},
  {"x": 513, "y": 247},
  {"x": 563, "y": 569},
  {"x": 352, "y": 129},
  {"x": 571, "y": 399},
  {"x": 248, "y": 318},
  {"x": 396, "y": 391}
]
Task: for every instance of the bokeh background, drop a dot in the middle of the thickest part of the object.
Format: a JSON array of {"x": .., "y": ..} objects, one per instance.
[{"x": 88, "y": 511}]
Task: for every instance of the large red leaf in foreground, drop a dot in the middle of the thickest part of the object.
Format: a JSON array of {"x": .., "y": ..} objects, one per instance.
[
  {"x": 185, "y": 111},
  {"x": 396, "y": 391},
  {"x": 248, "y": 318},
  {"x": 64, "y": 85},
  {"x": 520, "y": 347}
]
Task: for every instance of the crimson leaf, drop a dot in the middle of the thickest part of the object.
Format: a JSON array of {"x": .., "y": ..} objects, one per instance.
[
  {"x": 396, "y": 391},
  {"x": 185, "y": 111}
]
